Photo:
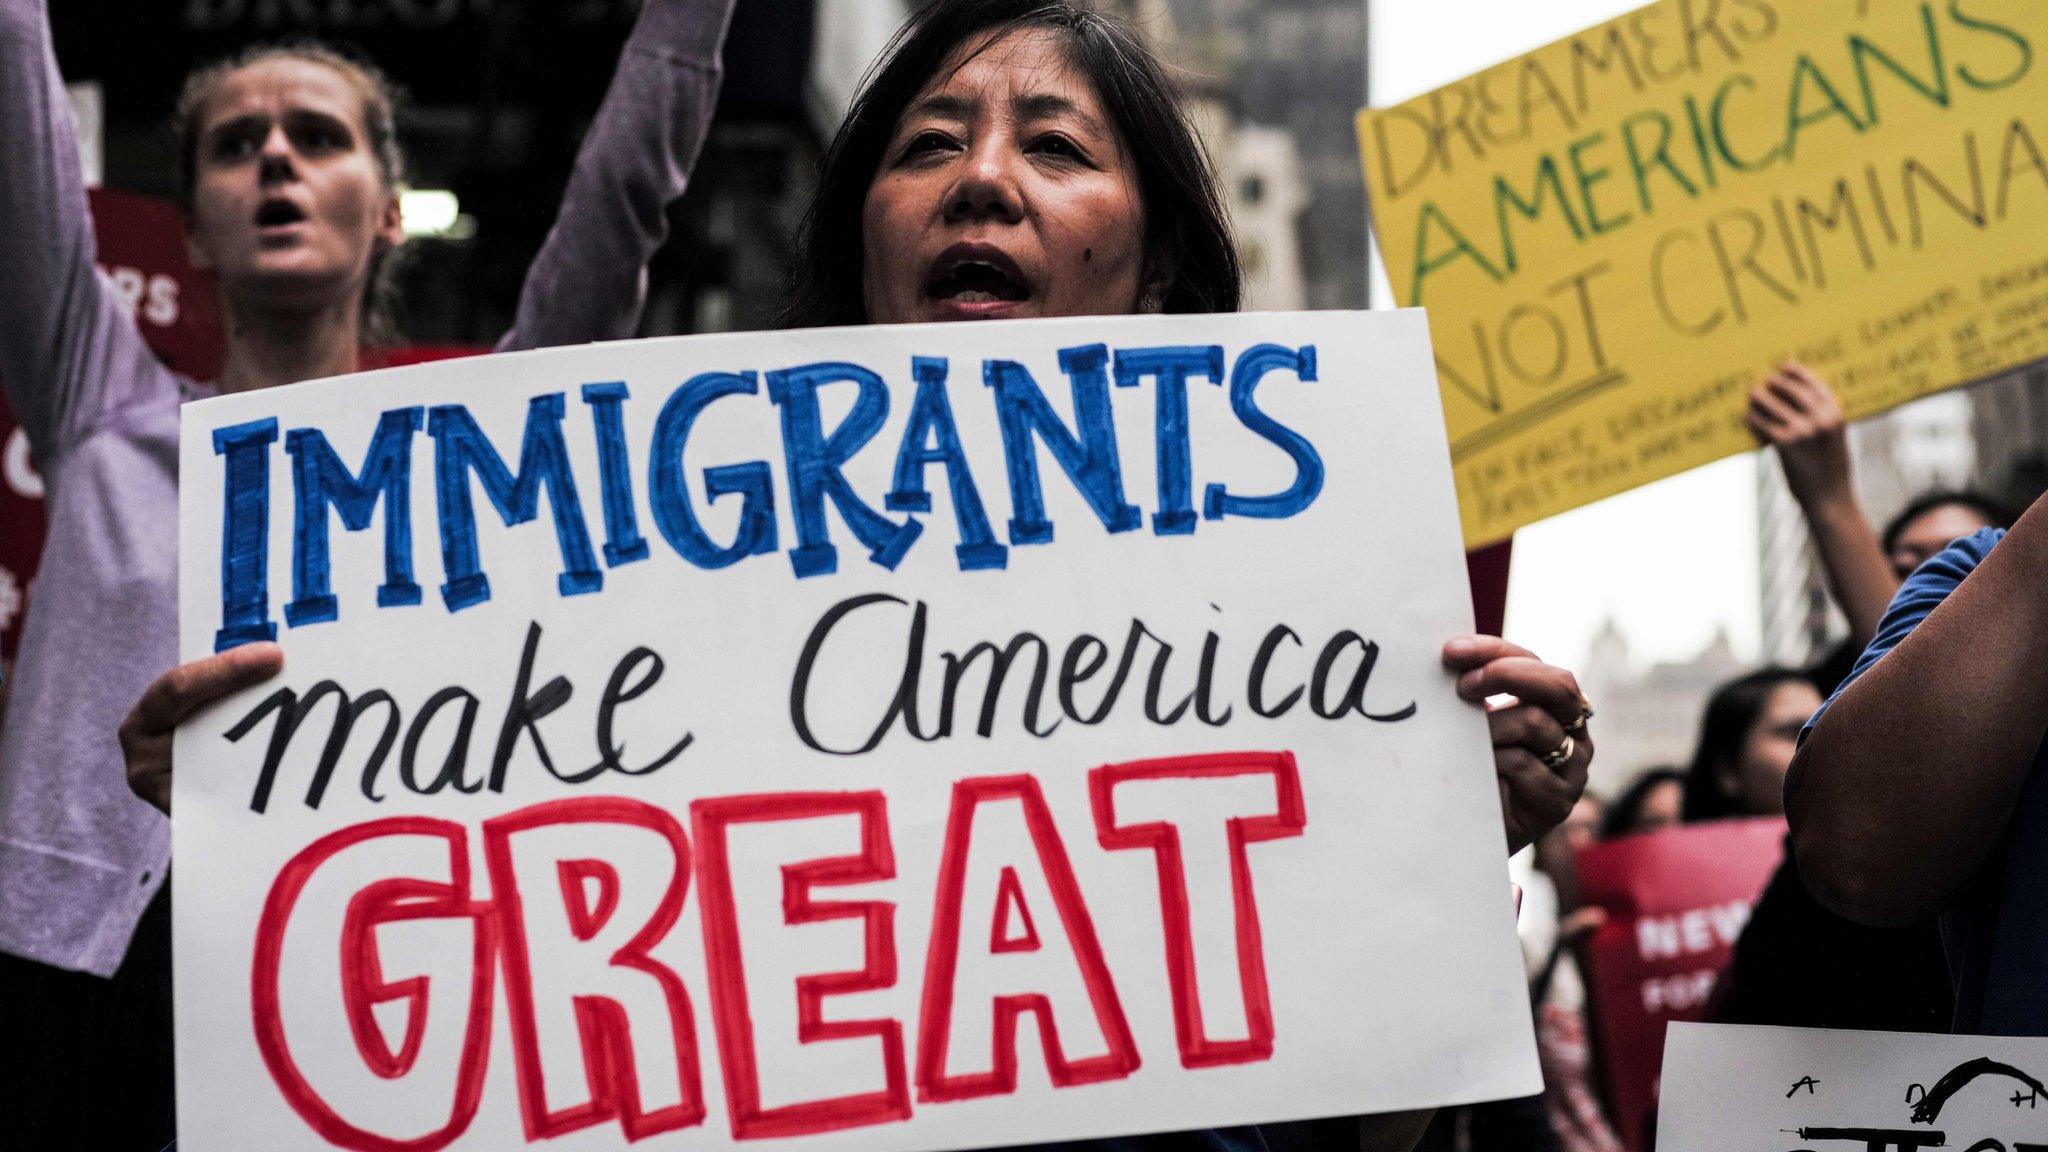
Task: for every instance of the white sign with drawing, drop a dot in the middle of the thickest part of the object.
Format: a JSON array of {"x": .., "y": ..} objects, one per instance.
[
  {"x": 1730, "y": 1088},
  {"x": 887, "y": 738}
]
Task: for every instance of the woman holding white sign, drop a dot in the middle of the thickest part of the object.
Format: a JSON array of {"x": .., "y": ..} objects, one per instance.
[
  {"x": 291, "y": 179},
  {"x": 1013, "y": 158}
]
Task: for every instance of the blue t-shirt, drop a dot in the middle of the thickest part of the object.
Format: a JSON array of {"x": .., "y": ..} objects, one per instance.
[{"x": 1996, "y": 935}]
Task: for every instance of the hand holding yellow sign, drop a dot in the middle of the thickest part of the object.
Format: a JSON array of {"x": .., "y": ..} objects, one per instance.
[{"x": 1618, "y": 234}]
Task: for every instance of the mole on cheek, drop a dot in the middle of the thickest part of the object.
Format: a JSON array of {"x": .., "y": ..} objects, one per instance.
[{"x": 1087, "y": 254}]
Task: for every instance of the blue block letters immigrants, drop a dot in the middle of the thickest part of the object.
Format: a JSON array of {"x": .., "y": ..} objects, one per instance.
[{"x": 814, "y": 462}]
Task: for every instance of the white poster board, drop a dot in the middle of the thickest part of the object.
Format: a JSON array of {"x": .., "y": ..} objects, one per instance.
[
  {"x": 1729, "y": 1088},
  {"x": 678, "y": 796}
]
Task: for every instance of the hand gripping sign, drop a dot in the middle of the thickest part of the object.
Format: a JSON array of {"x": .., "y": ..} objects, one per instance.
[{"x": 896, "y": 738}]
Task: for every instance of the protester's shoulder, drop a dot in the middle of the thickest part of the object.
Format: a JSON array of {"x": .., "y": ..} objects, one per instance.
[
  {"x": 1948, "y": 567},
  {"x": 1921, "y": 594},
  {"x": 1931, "y": 583},
  {"x": 145, "y": 418}
]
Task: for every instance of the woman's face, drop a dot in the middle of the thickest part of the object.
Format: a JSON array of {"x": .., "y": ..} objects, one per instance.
[
  {"x": 1663, "y": 806},
  {"x": 1756, "y": 780},
  {"x": 1924, "y": 536},
  {"x": 288, "y": 204},
  {"x": 1004, "y": 192},
  {"x": 1582, "y": 827}
]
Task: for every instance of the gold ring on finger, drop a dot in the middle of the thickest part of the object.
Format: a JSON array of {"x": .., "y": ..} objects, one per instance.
[{"x": 1563, "y": 753}]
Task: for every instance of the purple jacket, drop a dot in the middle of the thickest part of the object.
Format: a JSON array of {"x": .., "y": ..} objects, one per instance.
[{"x": 80, "y": 856}]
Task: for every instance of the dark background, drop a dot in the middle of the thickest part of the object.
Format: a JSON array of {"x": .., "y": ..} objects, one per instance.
[{"x": 500, "y": 93}]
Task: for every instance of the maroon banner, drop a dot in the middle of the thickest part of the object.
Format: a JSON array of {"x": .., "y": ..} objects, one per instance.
[
  {"x": 21, "y": 528},
  {"x": 1488, "y": 570},
  {"x": 142, "y": 252},
  {"x": 1676, "y": 901},
  {"x": 404, "y": 354}
]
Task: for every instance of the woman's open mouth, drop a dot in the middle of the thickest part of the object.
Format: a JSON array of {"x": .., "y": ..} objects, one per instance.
[
  {"x": 975, "y": 283},
  {"x": 975, "y": 280},
  {"x": 276, "y": 214}
]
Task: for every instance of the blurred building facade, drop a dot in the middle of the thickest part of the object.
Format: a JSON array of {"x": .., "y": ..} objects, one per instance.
[
  {"x": 1268, "y": 199},
  {"x": 2009, "y": 417},
  {"x": 1793, "y": 600},
  {"x": 1293, "y": 70},
  {"x": 1649, "y": 713}
]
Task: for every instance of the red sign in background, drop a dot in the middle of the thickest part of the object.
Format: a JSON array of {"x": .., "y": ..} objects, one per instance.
[
  {"x": 21, "y": 528},
  {"x": 1676, "y": 901},
  {"x": 142, "y": 252}
]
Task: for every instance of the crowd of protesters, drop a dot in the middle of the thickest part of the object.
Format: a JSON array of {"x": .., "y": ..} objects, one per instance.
[
  {"x": 1844, "y": 935},
  {"x": 1914, "y": 890}
]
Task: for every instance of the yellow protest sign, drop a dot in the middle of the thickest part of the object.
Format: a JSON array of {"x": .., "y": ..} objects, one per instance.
[{"x": 1617, "y": 234}]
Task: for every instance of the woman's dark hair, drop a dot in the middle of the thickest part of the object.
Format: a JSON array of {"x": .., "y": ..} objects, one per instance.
[
  {"x": 1731, "y": 712},
  {"x": 1993, "y": 511},
  {"x": 1184, "y": 218},
  {"x": 1626, "y": 810},
  {"x": 381, "y": 99}
]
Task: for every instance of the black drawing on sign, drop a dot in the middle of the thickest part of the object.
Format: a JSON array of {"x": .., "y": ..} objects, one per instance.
[
  {"x": 2030, "y": 1099},
  {"x": 1806, "y": 1082},
  {"x": 1930, "y": 1105},
  {"x": 1915, "y": 1093},
  {"x": 1880, "y": 1139}
]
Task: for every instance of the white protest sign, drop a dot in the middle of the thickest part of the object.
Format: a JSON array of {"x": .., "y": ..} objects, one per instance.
[
  {"x": 888, "y": 738},
  {"x": 1729, "y": 1088}
]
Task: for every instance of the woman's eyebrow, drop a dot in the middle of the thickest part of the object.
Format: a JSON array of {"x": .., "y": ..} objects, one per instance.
[
  {"x": 1028, "y": 106},
  {"x": 315, "y": 116},
  {"x": 247, "y": 122},
  {"x": 942, "y": 106}
]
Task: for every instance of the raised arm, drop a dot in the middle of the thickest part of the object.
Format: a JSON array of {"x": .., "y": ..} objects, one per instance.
[
  {"x": 1906, "y": 783},
  {"x": 590, "y": 279},
  {"x": 64, "y": 340},
  {"x": 1796, "y": 413}
]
